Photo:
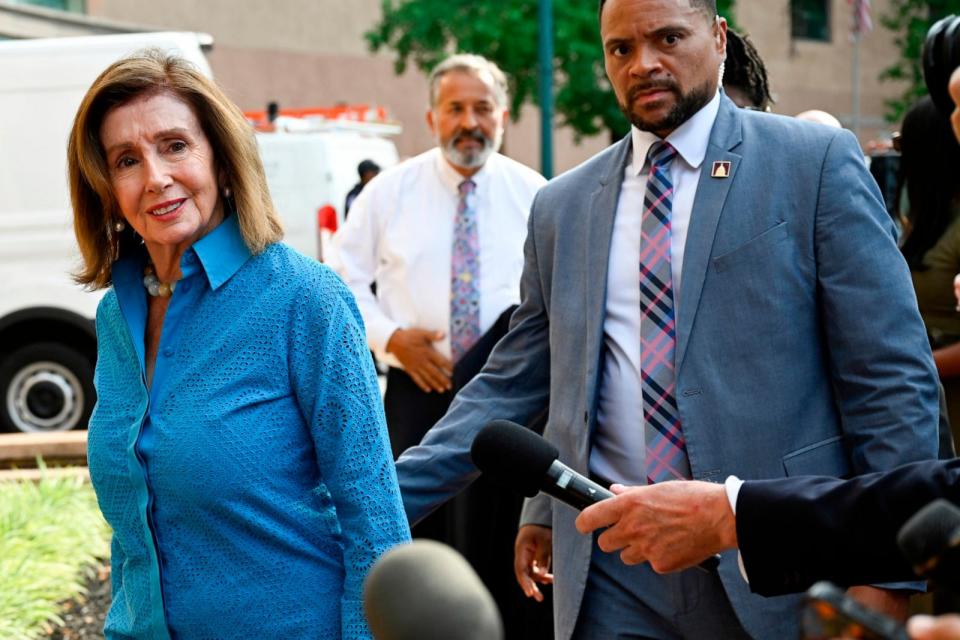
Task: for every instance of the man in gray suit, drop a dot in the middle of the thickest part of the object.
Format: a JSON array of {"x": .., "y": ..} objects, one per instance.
[{"x": 717, "y": 294}]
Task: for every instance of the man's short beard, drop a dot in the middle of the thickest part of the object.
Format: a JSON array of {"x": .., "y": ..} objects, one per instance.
[
  {"x": 686, "y": 106},
  {"x": 470, "y": 159}
]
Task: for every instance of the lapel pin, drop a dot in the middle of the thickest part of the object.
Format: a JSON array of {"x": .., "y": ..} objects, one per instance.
[{"x": 721, "y": 169}]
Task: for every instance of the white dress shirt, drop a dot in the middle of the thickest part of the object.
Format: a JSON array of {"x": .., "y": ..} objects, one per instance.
[
  {"x": 618, "y": 451},
  {"x": 400, "y": 233}
]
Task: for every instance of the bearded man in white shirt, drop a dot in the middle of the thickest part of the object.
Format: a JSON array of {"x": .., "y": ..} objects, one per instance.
[{"x": 441, "y": 235}]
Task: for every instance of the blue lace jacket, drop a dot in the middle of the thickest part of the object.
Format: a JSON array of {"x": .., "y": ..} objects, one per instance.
[{"x": 251, "y": 487}]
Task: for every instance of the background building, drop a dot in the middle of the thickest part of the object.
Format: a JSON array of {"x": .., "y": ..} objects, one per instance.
[
  {"x": 808, "y": 49},
  {"x": 312, "y": 52}
]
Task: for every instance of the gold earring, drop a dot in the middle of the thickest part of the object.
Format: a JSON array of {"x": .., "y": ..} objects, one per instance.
[{"x": 119, "y": 226}]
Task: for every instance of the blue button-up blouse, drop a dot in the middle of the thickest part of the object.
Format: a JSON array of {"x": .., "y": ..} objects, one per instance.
[{"x": 250, "y": 487}]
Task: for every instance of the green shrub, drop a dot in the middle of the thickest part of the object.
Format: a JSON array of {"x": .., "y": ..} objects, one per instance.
[{"x": 50, "y": 533}]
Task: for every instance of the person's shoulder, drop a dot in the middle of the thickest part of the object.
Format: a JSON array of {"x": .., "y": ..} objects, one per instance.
[
  {"x": 587, "y": 174},
  {"x": 109, "y": 305},
  {"x": 108, "y": 302},
  {"x": 301, "y": 277},
  {"x": 308, "y": 295},
  {"x": 280, "y": 257},
  {"x": 410, "y": 169},
  {"x": 516, "y": 169},
  {"x": 798, "y": 135},
  {"x": 109, "y": 317},
  {"x": 380, "y": 196}
]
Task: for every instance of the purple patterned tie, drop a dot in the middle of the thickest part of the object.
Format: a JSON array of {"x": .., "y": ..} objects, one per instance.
[
  {"x": 465, "y": 276},
  {"x": 666, "y": 455}
]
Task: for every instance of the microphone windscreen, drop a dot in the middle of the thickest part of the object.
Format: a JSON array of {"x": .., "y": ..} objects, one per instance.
[
  {"x": 513, "y": 456},
  {"x": 930, "y": 532},
  {"x": 425, "y": 590}
]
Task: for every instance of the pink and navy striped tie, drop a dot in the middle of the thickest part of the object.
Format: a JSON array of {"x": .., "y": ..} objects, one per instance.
[
  {"x": 465, "y": 276},
  {"x": 666, "y": 451}
]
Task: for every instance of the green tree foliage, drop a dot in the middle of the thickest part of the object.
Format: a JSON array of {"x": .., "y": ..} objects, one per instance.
[
  {"x": 910, "y": 20},
  {"x": 424, "y": 32}
]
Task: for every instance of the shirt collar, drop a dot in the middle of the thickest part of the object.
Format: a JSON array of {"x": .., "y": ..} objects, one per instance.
[
  {"x": 690, "y": 139},
  {"x": 451, "y": 178},
  {"x": 221, "y": 252}
]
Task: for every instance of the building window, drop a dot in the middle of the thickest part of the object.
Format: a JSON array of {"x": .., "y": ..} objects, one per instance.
[
  {"x": 73, "y": 6},
  {"x": 810, "y": 20}
]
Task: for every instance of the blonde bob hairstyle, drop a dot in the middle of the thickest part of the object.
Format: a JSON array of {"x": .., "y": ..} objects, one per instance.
[{"x": 95, "y": 209}]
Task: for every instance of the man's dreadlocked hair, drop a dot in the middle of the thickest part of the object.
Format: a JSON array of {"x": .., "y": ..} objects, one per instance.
[{"x": 744, "y": 70}]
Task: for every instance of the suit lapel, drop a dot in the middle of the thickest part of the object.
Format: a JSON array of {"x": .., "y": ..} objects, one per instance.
[
  {"x": 705, "y": 216},
  {"x": 603, "y": 210}
]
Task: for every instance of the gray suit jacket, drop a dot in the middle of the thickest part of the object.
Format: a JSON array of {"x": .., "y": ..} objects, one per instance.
[{"x": 800, "y": 349}]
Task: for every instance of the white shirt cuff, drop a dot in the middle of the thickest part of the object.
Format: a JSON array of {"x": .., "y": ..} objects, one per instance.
[
  {"x": 379, "y": 332},
  {"x": 732, "y": 486}
]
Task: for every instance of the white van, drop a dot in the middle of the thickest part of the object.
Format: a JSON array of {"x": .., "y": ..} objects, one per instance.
[
  {"x": 312, "y": 166},
  {"x": 47, "y": 338}
]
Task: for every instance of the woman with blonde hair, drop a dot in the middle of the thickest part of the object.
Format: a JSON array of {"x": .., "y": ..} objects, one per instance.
[{"x": 238, "y": 447}]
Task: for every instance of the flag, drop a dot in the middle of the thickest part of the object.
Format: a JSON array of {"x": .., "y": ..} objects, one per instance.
[{"x": 862, "y": 20}]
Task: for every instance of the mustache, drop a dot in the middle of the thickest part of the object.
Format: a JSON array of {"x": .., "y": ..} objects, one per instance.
[
  {"x": 654, "y": 85},
  {"x": 471, "y": 134}
]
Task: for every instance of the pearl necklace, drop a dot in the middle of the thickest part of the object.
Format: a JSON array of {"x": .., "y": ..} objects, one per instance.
[{"x": 153, "y": 285}]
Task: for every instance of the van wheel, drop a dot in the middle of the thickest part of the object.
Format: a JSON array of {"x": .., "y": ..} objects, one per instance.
[{"x": 45, "y": 387}]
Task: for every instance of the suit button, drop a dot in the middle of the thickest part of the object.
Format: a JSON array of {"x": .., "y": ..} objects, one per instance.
[{"x": 167, "y": 352}]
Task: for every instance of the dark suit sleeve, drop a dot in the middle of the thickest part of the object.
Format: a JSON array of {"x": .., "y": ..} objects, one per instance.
[
  {"x": 882, "y": 370},
  {"x": 795, "y": 531},
  {"x": 513, "y": 385}
]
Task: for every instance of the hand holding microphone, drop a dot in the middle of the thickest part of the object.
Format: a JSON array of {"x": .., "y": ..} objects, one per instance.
[{"x": 673, "y": 525}]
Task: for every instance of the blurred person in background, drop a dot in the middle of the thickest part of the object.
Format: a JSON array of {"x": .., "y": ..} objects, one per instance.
[
  {"x": 745, "y": 75},
  {"x": 820, "y": 117},
  {"x": 441, "y": 236},
  {"x": 238, "y": 447},
  {"x": 955, "y": 94},
  {"x": 368, "y": 170},
  {"x": 929, "y": 190}
]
